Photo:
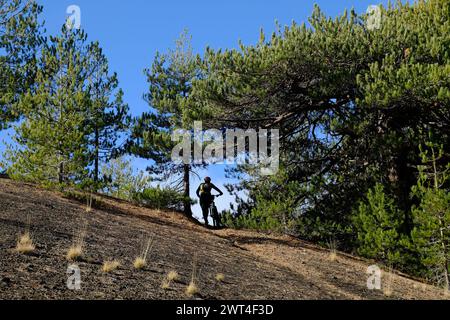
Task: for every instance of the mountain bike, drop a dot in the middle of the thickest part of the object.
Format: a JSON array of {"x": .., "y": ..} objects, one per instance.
[{"x": 214, "y": 213}]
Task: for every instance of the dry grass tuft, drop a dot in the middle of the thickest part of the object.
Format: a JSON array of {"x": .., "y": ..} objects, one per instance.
[
  {"x": 166, "y": 284},
  {"x": 75, "y": 252},
  {"x": 25, "y": 244},
  {"x": 110, "y": 266},
  {"x": 387, "y": 283},
  {"x": 220, "y": 277},
  {"x": 333, "y": 252},
  {"x": 387, "y": 292},
  {"x": 89, "y": 200},
  {"x": 173, "y": 276},
  {"x": 333, "y": 256},
  {"x": 192, "y": 289},
  {"x": 141, "y": 261}
]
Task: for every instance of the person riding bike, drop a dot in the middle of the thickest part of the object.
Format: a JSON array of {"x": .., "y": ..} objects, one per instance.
[{"x": 206, "y": 198}]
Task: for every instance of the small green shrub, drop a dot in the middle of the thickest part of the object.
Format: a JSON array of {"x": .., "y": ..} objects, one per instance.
[{"x": 161, "y": 198}]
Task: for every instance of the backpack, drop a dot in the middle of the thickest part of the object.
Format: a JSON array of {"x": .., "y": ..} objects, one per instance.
[{"x": 204, "y": 188}]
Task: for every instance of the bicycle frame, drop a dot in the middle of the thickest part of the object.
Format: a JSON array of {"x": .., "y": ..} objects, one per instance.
[{"x": 215, "y": 217}]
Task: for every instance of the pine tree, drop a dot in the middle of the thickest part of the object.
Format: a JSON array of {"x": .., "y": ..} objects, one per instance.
[
  {"x": 378, "y": 222},
  {"x": 108, "y": 117},
  {"x": 124, "y": 184},
  {"x": 51, "y": 142},
  {"x": 352, "y": 104},
  {"x": 275, "y": 206},
  {"x": 20, "y": 38},
  {"x": 170, "y": 80},
  {"x": 431, "y": 234}
]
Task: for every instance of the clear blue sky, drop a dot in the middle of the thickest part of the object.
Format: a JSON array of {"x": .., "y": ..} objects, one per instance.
[{"x": 132, "y": 31}]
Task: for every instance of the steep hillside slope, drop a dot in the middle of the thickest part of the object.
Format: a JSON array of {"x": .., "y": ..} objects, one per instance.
[{"x": 255, "y": 266}]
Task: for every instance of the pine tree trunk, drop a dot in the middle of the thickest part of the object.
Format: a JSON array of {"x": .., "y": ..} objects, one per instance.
[
  {"x": 404, "y": 177},
  {"x": 187, "y": 190},
  {"x": 96, "y": 160},
  {"x": 61, "y": 172}
]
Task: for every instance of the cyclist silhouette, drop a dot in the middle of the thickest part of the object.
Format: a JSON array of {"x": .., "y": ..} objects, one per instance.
[{"x": 206, "y": 198}]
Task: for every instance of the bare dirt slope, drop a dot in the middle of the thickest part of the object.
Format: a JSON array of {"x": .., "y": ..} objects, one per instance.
[{"x": 255, "y": 266}]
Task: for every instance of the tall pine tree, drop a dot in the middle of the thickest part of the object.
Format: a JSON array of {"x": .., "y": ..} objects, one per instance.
[
  {"x": 108, "y": 116},
  {"x": 431, "y": 234},
  {"x": 51, "y": 141},
  {"x": 170, "y": 80},
  {"x": 20, "y": 38}
]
